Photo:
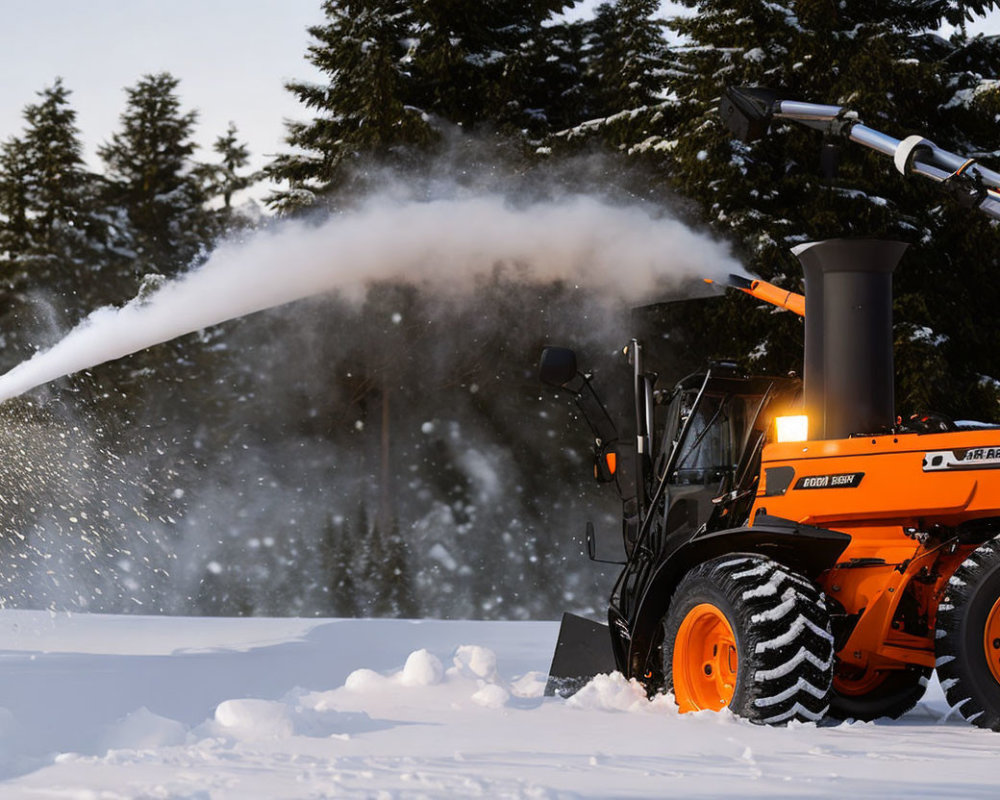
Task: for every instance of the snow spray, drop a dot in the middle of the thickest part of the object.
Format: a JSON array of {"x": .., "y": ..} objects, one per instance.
[{"x": 444, "y": 245}]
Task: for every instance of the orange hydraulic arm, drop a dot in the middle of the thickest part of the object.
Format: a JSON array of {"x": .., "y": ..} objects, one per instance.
[{"x": 768, "y": 292}]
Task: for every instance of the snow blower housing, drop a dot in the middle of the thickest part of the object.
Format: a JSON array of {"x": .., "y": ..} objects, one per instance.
[{"x": 791, "y": 550}]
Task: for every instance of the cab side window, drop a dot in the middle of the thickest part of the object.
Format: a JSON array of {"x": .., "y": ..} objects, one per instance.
[{"x": 706, "y": 453}]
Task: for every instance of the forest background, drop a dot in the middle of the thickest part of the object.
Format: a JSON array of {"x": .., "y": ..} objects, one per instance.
[{"x": 397, "y": 456}]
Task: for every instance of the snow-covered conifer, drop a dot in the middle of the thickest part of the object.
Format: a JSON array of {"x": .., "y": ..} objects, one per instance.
[
  {"x": 364, "y": 108},
  {"x": 154, "y": 178}
]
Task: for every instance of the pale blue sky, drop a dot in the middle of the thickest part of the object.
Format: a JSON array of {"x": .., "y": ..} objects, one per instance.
[{"x": 232, "y": 57}]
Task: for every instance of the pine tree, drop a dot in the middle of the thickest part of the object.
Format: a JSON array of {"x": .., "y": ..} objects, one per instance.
[
  {"x": 947, "y": 336},
  {"x": 44, "y": 186},
  {"x": 159, "y": 226},
  {"x": 55, "y": 159},
  {"x": 364, "y": 110},
  {"x": 483, "y": 63},
  {"x": 52, "y": 240},
  {"x": 629, "y": 55},
  {"x": 339, "y": 564},
  {"x": 377, "y": 602},
  {"x": 235, "y": 156},
  {"x": 564, "y": 52},
  {"x": 880, "y": 60},
  {"x": 67, "y": 231},
  {"x": 851, "y": 53},
  {"x": 14, "y": 203},
  {"x": 155, "y": 179},
  {"x": 370, "y": 586},
  {"x": 397, "y": 70},
  {"x": 327, "y": 550},
  {"x": 625, "y": 66},
  {"x": 400, "y": 598}
]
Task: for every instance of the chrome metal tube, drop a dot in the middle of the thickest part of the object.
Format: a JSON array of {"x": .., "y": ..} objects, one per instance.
[
  {"x": 950, "y": 162},
  {"x": 922, "y": 168},
  {"x": 991, "y": 207},
  {"x": 913, "y": 155},
  {"x": 792, "y": 109},
  {"x": 945, "y": 159},
  {"x": 931, "y": 161},
  {"x": 988, "y": 175},
  {"x": 874, "y": 139}
]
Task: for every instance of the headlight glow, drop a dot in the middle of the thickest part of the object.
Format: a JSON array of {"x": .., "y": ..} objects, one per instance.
[{"x": 792, "y": 428}]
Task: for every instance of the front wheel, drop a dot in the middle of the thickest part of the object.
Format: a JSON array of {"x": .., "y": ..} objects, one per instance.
[
  {"x": 750, "y": 634},
  {"x": 968, "y": 638}
]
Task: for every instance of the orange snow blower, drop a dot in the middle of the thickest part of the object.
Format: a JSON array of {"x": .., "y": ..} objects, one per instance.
[{"x": 792, "y": 549}]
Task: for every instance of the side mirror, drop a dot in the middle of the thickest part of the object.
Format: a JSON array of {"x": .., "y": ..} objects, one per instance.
[
  {"x": 592, "y": 548},
  {"x": 557, "y": 366},
  {"x": 747, "y": 112}
]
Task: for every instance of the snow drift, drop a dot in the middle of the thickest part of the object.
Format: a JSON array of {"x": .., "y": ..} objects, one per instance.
[{"x": 223, "y": 709}]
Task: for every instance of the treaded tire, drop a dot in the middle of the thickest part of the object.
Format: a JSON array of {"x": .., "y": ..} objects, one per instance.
[
  {"x": 782, "y": 635},
  {"x": 900, "y": 691},
  {"x": 969, "y": 684}
]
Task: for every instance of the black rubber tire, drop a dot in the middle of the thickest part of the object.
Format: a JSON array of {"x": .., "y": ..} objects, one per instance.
[
  {"x": 968, "y": 682},
  {"x": 782, "y": 630},
  {"x": 900, "y": 691}
]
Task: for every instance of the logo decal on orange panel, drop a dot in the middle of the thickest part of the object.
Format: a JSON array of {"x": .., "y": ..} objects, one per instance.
[
  {"x": 964, "y": 458},
  {"x": 845, "y": 480}
]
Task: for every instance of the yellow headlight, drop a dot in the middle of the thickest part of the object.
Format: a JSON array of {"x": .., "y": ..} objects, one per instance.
[{"x": 792, "y": 429}]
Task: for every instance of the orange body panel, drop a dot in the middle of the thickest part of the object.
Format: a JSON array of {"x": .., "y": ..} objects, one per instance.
[
  {"x": 896, "y": 485},
  {"x": 891, "y": 494}
]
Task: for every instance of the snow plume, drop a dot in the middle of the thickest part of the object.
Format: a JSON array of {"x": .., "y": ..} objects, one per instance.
[
  {"x": 444, "y": 245},
  {"x": 82, "y": 523}
]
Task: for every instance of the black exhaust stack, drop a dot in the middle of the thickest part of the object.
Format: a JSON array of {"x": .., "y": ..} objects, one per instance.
[{"x": 848, "y": 349}]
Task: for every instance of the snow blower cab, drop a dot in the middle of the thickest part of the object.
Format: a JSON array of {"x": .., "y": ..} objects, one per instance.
[{"x": 791, "y": 549}]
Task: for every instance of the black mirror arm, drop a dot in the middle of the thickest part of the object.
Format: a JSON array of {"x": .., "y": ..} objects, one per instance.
[{"x": 594, "y": 412}]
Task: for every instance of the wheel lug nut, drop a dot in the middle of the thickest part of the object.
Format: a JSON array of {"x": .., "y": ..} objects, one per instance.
[{"x": 996, "y": 644}]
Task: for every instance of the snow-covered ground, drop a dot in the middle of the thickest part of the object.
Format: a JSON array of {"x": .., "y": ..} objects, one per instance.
[{"x": 106, "y": 708}]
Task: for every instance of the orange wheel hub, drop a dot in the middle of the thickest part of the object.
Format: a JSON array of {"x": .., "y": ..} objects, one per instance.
[
  {"x": 991, "y": 640},
  {"x": 705, "y": 661},
  {"x": 860, "y": 684}
]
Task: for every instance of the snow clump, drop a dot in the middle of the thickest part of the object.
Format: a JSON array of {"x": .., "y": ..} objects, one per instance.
[
  {"x": 472, "y": 661},
  {"x": 614, "y": 693},
  {"x": 364, "y": 680},
  {"x": 473, "y": 677},
  {"x": 491, "y": 696},
  {"x": 422, "y": 668},
  {"x": 249, "y": 718}
]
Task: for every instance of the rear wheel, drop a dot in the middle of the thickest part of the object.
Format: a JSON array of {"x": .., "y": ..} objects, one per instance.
[
  {"x": 968, "y": 638},
  {"x": 750, "y": 634},
  {"x": 877, "y": 693}
]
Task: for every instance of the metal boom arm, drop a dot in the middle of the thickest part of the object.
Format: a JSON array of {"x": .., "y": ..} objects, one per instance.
[{"x": 748, "y": 114}]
